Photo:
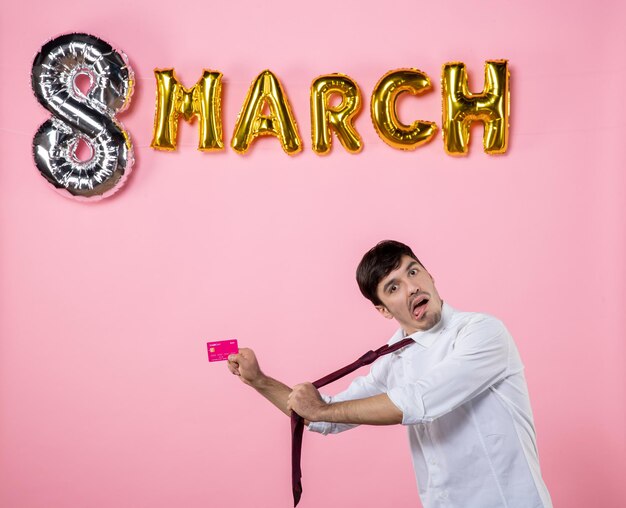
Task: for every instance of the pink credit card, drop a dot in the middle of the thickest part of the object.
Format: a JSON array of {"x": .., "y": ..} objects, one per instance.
[{"x": 220, "y": 350}]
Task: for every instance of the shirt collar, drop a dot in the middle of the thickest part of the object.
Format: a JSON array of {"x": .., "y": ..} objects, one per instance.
[{"x": 426, "y": 338}]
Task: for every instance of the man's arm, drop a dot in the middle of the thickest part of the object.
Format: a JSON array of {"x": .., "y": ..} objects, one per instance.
[
  {"x": 481, "y": 357},
  {"x": 479, "y": 360},
  {"x": 245, "y": 365},
  {"x": 305, "y": 400}
]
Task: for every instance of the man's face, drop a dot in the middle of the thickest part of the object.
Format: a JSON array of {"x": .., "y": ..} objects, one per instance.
[{"x": 409, "y": 296}]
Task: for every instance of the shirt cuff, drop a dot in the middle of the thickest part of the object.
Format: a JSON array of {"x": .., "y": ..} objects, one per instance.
[
  {"x": 323, "y": 428},
  {"x": 409, "y": 402}
]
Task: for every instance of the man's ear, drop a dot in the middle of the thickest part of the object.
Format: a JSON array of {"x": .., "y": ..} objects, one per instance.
[{"x": 384, "y": 311}]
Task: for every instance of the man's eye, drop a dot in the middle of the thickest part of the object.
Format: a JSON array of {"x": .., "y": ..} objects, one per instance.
[
  {"x": 413, "y": 272},
  {"x": 392, "y": 288}
]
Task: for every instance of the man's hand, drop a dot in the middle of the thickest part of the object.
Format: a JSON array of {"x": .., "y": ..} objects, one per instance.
[
  {"x": 245, "y": 365},
  {"x": 305, "y": 400}
]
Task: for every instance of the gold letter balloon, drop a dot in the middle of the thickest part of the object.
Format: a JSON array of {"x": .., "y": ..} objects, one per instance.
[
  {"x": 266, "y": 90},
  {"x": 202, "y": 101},
  {"x": 384, "y": 114},
  {"x": 339, "y": 117},
  {"x": 461, "y": 107}
]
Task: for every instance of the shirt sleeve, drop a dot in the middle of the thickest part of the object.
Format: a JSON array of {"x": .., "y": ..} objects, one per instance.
[
  {"x": 480, "y": 359},
  {"x": 360, "y": 388}
]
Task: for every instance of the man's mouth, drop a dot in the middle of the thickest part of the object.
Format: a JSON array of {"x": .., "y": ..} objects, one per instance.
[{"x": 418, "y": 306}]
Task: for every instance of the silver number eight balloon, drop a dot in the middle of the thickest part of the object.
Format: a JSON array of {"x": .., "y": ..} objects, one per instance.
[{"x": 88, "y": 116}]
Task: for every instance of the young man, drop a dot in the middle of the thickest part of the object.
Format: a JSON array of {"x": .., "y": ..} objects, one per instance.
[{"x": 459, "y": 389}]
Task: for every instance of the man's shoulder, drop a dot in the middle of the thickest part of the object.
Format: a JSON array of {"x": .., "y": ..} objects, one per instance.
[{"x": 463, "y": 322}]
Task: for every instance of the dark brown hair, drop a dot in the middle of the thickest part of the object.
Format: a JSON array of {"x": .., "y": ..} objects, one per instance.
[{"x": 377, "y": 263}]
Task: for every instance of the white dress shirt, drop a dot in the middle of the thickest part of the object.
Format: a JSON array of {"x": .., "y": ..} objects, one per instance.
[{"x": 464, "y": 400}]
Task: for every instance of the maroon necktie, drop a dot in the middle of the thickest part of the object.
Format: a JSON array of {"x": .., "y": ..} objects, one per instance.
[{"x": 297, "y": 423}]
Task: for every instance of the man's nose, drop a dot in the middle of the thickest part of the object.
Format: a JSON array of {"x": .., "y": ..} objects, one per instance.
[{"x": 413, "y": 287}]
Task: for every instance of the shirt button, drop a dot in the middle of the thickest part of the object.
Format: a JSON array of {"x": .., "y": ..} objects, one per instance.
[
  {"x": 443, "y": 494},
  {"x": 432, "y": 462}
]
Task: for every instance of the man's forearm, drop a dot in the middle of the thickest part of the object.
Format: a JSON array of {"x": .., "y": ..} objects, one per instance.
[
  {"x": 274, "y": 391},
  {"x": 376, "y": 410}
]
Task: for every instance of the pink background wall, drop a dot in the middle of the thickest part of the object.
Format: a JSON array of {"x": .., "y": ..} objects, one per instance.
[{"x": 106, "y": 395}]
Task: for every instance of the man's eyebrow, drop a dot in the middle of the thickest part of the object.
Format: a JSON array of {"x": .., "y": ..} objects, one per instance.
[{"x": 412, "y": 265}]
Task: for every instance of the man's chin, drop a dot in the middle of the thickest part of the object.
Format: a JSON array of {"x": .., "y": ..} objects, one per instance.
[{"x": 427, "y": 321}]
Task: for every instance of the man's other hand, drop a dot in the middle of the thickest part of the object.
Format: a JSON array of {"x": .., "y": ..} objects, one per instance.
[{"x": 305, "y": 400}]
